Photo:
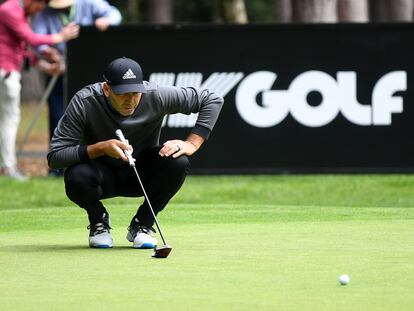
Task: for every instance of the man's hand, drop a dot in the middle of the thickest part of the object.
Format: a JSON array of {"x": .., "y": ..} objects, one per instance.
[
  {"x": 53, "y": 64},
  {"x": 112, "y": 148},
  {"x": 51, "y": 68},
  {"x": 52, "y": 55},
  {"x": 176, "y": 147},
  {"x": 102, "y": 23},
  {"x": 69, "y": 32}
]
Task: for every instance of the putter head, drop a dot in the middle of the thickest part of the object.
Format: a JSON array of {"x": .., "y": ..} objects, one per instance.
[{"x": 162, "y": 251}]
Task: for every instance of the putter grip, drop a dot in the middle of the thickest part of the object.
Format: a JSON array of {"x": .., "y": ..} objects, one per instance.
[{"x": 121, "y": 137}]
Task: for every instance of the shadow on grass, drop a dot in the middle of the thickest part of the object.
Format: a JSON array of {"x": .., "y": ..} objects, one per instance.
[{"x": 35, "y": 248}]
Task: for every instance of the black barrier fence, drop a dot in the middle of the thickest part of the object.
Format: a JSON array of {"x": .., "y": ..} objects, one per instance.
[{"x": 298, "y": 98}]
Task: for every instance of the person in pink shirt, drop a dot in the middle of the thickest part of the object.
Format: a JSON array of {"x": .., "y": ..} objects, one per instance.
[{"x": 15, "y": 37}]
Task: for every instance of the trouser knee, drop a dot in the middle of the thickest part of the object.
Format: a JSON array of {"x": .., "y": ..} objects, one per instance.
[
  {"x": 177, "y": 166},
  {"x": 82, "y": 184},
  {"x": 170, "y": 177}
]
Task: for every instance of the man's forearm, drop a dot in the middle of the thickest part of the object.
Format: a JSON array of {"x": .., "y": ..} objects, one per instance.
[
  {"x": 95, "y": 150},
  {"x": 195, "y": 140}
]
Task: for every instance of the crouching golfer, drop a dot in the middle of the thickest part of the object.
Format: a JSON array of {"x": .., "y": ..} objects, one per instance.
[{"x": 85, "y": 143}]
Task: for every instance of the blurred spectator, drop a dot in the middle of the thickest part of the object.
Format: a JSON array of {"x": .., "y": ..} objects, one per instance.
[
  {"x": 15, "y": 34},
  {"x": 58, "y": 14}
]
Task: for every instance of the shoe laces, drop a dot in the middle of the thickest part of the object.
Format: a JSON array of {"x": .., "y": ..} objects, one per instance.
[
  {"x": 146, "y": 230},
  {"x": 136, "y": 228},
  {"x": 98, "y": 228}
]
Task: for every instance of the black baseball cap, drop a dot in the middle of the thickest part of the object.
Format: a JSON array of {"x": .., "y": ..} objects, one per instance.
[{"x": 124, "y": 75}]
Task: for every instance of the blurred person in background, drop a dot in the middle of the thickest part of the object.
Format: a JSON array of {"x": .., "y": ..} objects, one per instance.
[
  {"x": 59, "y": 13},
  {"x": 15, "y": 37}
]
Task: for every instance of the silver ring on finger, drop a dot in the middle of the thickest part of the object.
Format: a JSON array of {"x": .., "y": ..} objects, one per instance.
[{"x": 178, "y": 148}]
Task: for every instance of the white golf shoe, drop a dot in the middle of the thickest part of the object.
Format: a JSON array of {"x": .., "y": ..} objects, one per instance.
[
  {"x": 141, "y": 236},
  {"x": 100, "y": 236}
]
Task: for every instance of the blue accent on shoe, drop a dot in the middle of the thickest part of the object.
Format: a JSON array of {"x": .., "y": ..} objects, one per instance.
[
  {"x": 145, "y": 246},
  {"x": 103, "y": 246}
]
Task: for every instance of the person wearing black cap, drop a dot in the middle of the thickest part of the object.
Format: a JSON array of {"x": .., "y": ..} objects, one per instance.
[{"x": 85, "y": 143}]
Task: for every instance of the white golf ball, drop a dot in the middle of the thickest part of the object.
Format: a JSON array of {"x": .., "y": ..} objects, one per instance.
[{"x": 344, "y": 279}]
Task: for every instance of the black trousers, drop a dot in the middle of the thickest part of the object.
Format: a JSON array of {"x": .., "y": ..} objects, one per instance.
[{"x": 87, "y": 183}]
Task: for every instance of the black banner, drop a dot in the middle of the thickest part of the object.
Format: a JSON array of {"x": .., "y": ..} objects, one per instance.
[{"x": 298, "y": 98}]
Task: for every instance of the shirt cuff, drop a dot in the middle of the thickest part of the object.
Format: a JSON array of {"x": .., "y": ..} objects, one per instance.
[
  {"x": 201, "y": 131},
  {"x": 83, "y": 153}
]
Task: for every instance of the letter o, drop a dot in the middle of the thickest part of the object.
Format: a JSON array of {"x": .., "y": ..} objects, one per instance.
[{"x": 300, "y": 109}]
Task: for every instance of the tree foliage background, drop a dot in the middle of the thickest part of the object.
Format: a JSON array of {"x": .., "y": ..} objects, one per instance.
[
  {"x": 264, "y": 11},
  {"x": 201, "y": 11}
]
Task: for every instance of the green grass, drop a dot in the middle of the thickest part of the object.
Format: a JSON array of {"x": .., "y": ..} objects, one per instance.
[{"x": 239, "y": 243}]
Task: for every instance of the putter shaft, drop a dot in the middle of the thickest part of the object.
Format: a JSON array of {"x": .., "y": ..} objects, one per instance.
[
  {"x": 131, "y": 161},
  {"x": 149, "y": 203}
]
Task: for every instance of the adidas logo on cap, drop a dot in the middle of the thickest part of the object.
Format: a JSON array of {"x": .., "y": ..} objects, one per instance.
[
  {"x": 129, "y": 74},
  {"x": 124, "y": 75}
]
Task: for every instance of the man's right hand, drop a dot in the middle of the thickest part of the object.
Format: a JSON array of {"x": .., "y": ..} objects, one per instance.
[
  {"x": 51, "y": 68},
  {"x": 69, "y": 32},
  {"x": 52, "y": 55},
  {"x": 112, "y": 148}
]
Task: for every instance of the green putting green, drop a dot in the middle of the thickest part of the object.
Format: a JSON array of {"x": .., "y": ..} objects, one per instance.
[{"x": 239, "y": 243}]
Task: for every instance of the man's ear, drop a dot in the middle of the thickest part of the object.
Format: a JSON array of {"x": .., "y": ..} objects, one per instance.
[{"x": 106, "y": 89}]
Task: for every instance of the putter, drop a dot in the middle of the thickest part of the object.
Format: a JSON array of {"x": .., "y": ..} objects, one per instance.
[{"x": 164, "y": 250}]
